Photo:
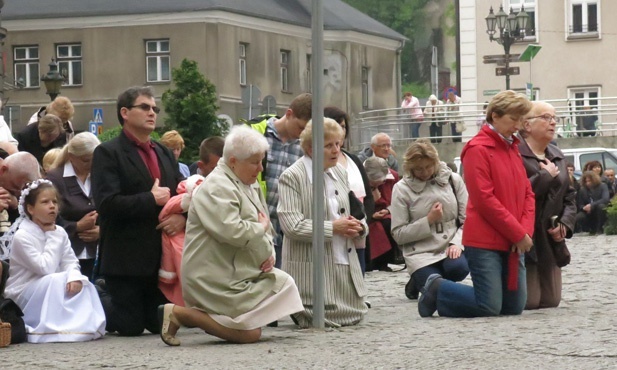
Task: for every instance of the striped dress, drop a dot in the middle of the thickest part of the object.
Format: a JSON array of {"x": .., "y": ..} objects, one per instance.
[{"x": 344, "y": 285}]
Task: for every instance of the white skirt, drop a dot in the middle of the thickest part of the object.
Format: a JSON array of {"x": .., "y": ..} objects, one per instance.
[
  {"x": 284, "y": 303},
  {"x": 52, "y": 316}
]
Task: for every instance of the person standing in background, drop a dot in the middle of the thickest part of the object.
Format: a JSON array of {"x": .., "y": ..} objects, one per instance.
[
  {"x": 411, "y": 106},
  {"x": 457, "y": 126},
  {"x": 433, "y": 112}
]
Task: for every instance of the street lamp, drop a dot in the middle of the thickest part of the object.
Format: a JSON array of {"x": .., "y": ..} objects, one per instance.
[
  {"x": 53, "y": 80},
  {"x": 511, "y": 28}
]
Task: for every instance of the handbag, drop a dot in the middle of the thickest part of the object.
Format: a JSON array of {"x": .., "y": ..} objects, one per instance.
[
  {"x": 460, "y": 127},
  {"x": 356, "y": 208},
  {"x": 561, "y": 253},
  {"x": 12, "y": 314}
]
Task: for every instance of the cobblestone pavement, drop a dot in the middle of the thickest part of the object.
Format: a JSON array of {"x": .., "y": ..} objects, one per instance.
[{"x": 580, "y": 334}]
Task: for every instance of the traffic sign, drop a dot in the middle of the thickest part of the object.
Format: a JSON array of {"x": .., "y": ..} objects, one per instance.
[
  {"x": 93, "y": 127},
  {"x": 98, "y": 115},
  {"x": 501, "y": 71},
  {"x": 500, "y": 59}
]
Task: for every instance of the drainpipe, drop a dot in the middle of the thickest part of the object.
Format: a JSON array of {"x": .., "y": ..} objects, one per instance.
[{"x": 399, "y": 83}]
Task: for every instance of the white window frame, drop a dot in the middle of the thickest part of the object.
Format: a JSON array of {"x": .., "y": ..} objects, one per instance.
[
  {"x": 161, "y": 55},
  {"x": 587, "y": 93},
  {"x": 242, "y": 62},
  {"x": 285, "y": 57},
  {"x": 67, "y": 64},
  {"x": 31, "y": 61},
  {"x": 530, "y": 6},
  {"x": 584, "y": 32},
  {"x": 366, "y": 76}
]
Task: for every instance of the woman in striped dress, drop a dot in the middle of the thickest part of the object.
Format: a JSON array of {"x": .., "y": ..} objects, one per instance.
[{"x": 344, "y": 286}]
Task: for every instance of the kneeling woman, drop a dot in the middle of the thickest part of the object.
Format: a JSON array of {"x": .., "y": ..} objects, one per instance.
[
  {"x": 229, "y": 283},
  {"x": 428, "y": 208},
  {"x": 344, "y": 285}
]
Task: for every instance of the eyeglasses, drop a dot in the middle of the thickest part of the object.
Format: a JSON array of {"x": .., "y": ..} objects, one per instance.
[
  {"x": 384, "y": 146},
  {"x": 548, "y": 118},
  {"x": 146, "y": 107}
]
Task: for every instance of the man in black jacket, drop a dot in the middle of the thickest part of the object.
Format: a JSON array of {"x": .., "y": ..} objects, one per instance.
[{"x": 132, "y": 179}]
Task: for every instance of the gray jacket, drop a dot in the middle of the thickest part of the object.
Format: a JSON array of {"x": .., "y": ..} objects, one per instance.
[{"x": 412, "y": 199}]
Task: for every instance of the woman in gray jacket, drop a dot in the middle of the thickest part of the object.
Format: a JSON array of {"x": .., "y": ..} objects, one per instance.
[{"x": 428, "y": 211}]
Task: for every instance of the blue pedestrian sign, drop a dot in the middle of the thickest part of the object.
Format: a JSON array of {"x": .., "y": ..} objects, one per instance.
[
  {"x": 98, "y": 115},
  {"x": 93, "y": 127}
]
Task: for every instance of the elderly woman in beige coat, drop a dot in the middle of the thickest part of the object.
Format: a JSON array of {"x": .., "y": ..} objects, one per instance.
[
  {"x": 229, "y": 283},
  {"x": 344, "y": 285},
  {"x": 428, "y": 210}
]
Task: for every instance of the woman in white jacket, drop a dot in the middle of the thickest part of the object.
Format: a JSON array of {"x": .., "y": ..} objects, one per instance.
[{"x": 428, "y": 211}]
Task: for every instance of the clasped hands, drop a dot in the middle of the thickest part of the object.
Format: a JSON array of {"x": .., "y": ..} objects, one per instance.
[{"x": 348, "y": 227}]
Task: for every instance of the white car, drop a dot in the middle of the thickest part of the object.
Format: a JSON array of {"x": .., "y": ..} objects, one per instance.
[{"x": 578, "y": 157}]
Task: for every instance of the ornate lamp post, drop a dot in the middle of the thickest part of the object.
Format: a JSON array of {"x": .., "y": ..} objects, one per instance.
[
  {"x": 511, "y": 28},
  {"x": 53, "y": 80}
]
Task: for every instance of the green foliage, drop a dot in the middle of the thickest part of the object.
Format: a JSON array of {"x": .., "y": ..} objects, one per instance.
[
  {"x": 418, "y": 89},
  {"x": 610, "y": 227},
  {"x": 191, "y": 108},
  {"x": 450, "y": 15},
  {"x": 115, "y": 131},
  {"x": 407, "y": 18}
]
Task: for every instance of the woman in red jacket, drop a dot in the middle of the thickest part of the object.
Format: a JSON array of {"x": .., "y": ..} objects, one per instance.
[{"x": 499, "y": 223}]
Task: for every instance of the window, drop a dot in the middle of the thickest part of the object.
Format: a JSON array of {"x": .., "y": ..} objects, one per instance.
[
  {"x": 242, "y": 63},
  {"x": 366, "y": 87},
  {"x": 583, "y": 17},
  {"x": 583, "y": 99},
  {"x": 69, "y": 63},
  {"x": 157, "y": 60},
  {"x": 308, "y": 76},
  {"x": 285, "y": 70},
  {"x": 530, "y": 9},
  {"x": 26, "y": 61}
]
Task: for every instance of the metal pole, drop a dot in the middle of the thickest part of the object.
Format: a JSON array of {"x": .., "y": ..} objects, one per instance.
[{"x": 318, "y": 169}]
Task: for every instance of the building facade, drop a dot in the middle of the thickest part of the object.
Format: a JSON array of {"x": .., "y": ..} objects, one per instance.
[
  {"x": 263, "y": 46},
  {"x": 576, "y": 57}
]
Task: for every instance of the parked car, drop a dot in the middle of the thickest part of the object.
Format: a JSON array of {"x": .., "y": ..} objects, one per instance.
[{"x": 577, "y": 156}]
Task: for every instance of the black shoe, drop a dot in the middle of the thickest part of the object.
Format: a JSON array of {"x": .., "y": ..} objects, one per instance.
[
  {"x": 273, "y": 324},
  {"x": 410, "y": 289},
  {"x": 385, "y": 268},
  {"x": 427, "y": 304}
]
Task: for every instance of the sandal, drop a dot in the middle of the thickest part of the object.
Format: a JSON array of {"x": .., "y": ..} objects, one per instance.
[{"x": 166, "y": 317}]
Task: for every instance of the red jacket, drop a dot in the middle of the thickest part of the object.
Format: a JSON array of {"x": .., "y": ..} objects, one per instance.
[{"x": 501, "y": 206}]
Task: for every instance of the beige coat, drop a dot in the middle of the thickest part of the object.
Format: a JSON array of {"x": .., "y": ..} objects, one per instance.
[
  {"x": 412, "y": 199},
  {"x": 344, "y": 290},
  {"x": 225, "y": 246}
]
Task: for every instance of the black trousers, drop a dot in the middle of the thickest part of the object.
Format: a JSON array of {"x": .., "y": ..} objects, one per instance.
[
  {"x": 131, "y": 303},
  {"x": 435, "y": 130}
]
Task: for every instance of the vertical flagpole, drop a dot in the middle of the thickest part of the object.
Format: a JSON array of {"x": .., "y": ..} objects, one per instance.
[{"x": 318, "y": 169}]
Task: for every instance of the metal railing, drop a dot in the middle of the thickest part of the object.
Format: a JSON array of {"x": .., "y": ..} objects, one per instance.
[{"x": 396, "y": 122}]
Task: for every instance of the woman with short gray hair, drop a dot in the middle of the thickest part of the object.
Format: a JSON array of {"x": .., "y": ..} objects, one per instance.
[{"x": 229, "y": 283}]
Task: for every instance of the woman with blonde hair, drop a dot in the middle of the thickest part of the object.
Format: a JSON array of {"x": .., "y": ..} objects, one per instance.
[
  {"x": 344, "y": 285},
  {"x": 70, "y": 174},
  {"x": 42, "y": 136},
  {"x": 174, "y": 141},
  {"x": 428, "y": 211},
  {"x": 499, "y": 222}
]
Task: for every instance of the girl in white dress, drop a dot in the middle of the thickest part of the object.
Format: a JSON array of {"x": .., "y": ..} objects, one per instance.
[{"x": 58, "y": 302}]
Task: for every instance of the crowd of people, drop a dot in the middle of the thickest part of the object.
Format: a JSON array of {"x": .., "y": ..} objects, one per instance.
[{"x": 120, "y": 237}]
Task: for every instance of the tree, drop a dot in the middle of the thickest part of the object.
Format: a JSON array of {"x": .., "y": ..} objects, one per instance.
[
  {"x": 407, "y": 18},
  {"x": 191, "y": 108}
]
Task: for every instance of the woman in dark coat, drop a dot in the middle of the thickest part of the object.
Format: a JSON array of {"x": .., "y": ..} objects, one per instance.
[
  {"x": 591, "y": 200},
  {"x": 358, "y": 181},
  {"x": 546, "y": 169},
  {"x": 70, "y": 174}
]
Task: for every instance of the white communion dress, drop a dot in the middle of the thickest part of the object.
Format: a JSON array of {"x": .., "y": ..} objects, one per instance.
[{"x": 41, "y": 265}]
